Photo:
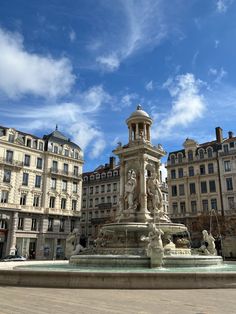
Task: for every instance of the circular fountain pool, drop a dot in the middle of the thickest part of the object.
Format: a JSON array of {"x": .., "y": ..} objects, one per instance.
[{"x": 63, "y": 275}]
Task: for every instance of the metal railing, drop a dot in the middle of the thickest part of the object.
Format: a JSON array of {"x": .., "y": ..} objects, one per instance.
[
  {"x": 64, "y": 173},
  {"x": 11, "y": 162}
]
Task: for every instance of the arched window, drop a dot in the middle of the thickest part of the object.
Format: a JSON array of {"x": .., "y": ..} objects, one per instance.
[
  {"x": 209, "y": 152},
  {"x": 172, "y": 159},
  {"x": 201, "y": 153},
  {"x": 180, "y": 158}
]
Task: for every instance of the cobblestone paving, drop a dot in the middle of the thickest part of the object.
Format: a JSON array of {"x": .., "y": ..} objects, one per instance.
[{"x": 18, "y": 300}]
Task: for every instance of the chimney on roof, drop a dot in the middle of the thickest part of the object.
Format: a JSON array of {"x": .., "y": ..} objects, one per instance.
[
  {"x": 219, "y": 136},
  {"x": 231, "y": 134},
  {"x": 112, "y": 162}
]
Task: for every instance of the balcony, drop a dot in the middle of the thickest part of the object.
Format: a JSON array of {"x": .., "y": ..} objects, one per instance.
[
  {"x": 11, "y": 163},
  {"x": 64, "y": 173}
]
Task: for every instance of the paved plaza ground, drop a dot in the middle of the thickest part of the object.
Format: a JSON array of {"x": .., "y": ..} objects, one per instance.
[{"x": 18, "y": 300}]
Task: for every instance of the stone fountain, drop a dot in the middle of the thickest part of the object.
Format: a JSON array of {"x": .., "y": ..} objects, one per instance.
[{"x": 142, "y": 235}]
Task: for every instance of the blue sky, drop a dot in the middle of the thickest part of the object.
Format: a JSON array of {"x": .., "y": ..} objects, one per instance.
[{"x": 86, "y": 64}]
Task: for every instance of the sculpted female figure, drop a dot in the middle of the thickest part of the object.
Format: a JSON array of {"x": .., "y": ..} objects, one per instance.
[
  {"x": 154, "y": 191},
  {"x": 130, "y": 187}
]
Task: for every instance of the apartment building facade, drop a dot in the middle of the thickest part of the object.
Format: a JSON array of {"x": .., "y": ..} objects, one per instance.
[
  {"x": 40, "y": 187},
  {"x": 100, "y": 199},
  {"x": 202, "y": 183}
]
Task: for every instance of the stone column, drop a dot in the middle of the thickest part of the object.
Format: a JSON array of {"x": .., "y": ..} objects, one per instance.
[
  {"x": 145, "y": 131},
  {"x": 12, "y": 234},
  {"x": 130, "y": 133},
  {"x": 148, "y": 132},
  {"x": 40, "y": 239},
  {"x": 136, "y": 132}
]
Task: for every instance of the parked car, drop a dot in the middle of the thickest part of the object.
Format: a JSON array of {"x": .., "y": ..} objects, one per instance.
[{"x": 13, "y": 258}]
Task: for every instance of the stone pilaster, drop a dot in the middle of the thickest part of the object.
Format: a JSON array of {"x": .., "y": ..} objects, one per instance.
[{"x": 12, "y": 234}]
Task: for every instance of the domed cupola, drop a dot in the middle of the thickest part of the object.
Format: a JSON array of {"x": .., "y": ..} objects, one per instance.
[{"x": 139, "y": 124}]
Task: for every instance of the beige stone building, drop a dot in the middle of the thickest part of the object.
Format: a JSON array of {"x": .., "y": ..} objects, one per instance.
[
  {"x": 100, "y": 199},
  {"x": 40, "y": 186},
  {"x": 202, "y": 183}
]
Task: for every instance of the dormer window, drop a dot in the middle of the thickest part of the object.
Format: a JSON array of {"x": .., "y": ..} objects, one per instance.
[
  {"x": 11, "y": 138},
  {"x": 180, "y": 158},
  {"x": 109, "y": 174},
  {"x": 98, "y": 176},
  {"x": 115, "y": 173},
  {"x": 172, "y": 159},
  {"x": 35, "y": 144},
  {"x": 209, "y": 152},
  {"x": 85, "y": 178},
  {"x": 40, "y": 146},
  {"x": 28, "y": 142},
  {"x": 103, "y": 175},
  {"x": 56, "y": 149},
  {"x": 226, "y": 148},
  {"x": 201, "y": 154},
  {"x": 92, "y": 177}
]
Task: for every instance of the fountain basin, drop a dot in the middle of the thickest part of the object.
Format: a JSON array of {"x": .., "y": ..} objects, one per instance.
[
  {"x": 63, "y": 275},
  {"x": 142, "y": 261},
  {"x": 168, "y": 227}
]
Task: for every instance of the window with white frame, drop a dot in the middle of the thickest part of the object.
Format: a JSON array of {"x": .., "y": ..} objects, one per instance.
[
  {"x": 23, "y": 198},
  {"x": 74, "y": 204},
  {"x": 227, "y": 165},
  {"x": 4, "y": 196},
  {"x": 7, "y": 176}
]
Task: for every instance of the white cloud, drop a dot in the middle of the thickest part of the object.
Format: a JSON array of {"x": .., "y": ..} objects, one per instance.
[
  {"x": 123, "y": 101},
  {"x": 187, "y": 105},
  {"x": 78, "y": 119},
  {"x": 149, "y": 86},
  {"x": 110, "y": 62},
  {"x": 143, "y": 27},
  {"x": 219, "y": 74},
  {"x": 22, "y": 72},
  {"x": 72, "y": 35},
  {"x": 223, "y": 5},
  {"x": 98, "y": 147}
]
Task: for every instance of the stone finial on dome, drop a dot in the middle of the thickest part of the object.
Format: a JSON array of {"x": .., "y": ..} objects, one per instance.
[{"x": 139, "y": 107}]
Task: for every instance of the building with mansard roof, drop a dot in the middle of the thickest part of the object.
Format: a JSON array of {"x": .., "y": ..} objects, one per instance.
[
  {"x": 202, "y": 187},
  {"x": 40, "y": 187}
]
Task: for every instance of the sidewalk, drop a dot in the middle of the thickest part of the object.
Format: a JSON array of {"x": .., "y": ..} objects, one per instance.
[{"x": 18, "y": 300}]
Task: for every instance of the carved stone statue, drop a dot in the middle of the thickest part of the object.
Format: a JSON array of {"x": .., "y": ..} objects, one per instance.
[
  {"x": 208, "y": 245},
  {"x": 73, "y": 247},
  {"x": 155, "y": 248},
  {"x": 130, "y": 189},
  {"x": 100, "y": 241},
  {"x": 155, "y": 194}
]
